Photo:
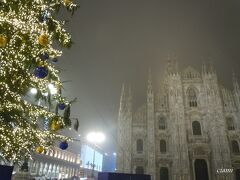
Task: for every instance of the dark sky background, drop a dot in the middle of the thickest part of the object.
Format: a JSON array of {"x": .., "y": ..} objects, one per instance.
[{"x": 117, "y": 41}]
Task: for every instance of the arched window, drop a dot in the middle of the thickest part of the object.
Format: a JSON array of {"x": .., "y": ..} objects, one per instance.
[
  {"x": 196, "y": 127},
  {"x": 192, "y": 97},
  {"x": 164, "y": 173},
  {"x": 139, "y": 170},
  {"x": 162, "y": 123},
  {"x": 139, "y": 145},
  {"x": 230, "y": 124},
  {"x": 235, "y": 147},
  {"x": 163, "y": 146}
]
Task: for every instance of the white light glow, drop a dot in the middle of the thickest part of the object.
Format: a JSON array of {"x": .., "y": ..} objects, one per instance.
[
  {"x": 100, "y": 137},
  {"x": 95, "y": 137},
  {"x": 115, "y": 154},
  {"x": 33, "y": 91},
  {"x": 91, "y": 137}
]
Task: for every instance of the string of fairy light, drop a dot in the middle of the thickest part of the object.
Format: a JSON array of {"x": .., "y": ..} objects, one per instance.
[{"x": 24, "y": 38}]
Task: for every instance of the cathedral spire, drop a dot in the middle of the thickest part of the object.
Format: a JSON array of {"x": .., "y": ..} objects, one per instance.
[
  {"x": 172, "y": 65},
  {"x": 169, "y": 65},
  {"x": 235, "y": 82},
  {"x": 124, "y": 132},
  {"x": 204, "y": 68},
  {"x": 236, "y": 90},
  {"x": 176, "y": 66},
  {"x": 130, "y": 92},
  {"x": 211, "y": 68},
  {"x": 149, "y": 90},
  {"x": 207, "y": 66},
  {"x": 130, "y": 99},
  {"x": 122, "y": 98}
]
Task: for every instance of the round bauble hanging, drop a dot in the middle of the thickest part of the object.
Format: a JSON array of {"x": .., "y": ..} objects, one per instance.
[
  {"x": 43, "y": 39},
  {"x": 56, "y": 125},
  {"x": 40, "y": 149},
  {"x": 63, "y": 145},
  {"x": 61, "y": 106},
  {"x": 44, "y": 56},
  {"x": 3, "y": 41},
  {"x": 41, "y": 72},
  {"x": 67, "y": 2}
]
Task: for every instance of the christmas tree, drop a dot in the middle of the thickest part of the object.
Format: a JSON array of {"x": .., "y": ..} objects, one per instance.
[{"x": 29, "y": 30}]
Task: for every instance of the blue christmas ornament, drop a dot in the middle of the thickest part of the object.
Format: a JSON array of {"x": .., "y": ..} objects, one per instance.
[
  {"x": 44, "y": 56},
  {"x": 63, "y": 145},
  {"x": 61, "y": 106},
  {"x": 41, "y": 72}
]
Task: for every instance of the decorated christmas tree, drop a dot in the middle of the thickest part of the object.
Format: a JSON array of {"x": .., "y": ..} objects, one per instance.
[{"x": 29, "y": 80}]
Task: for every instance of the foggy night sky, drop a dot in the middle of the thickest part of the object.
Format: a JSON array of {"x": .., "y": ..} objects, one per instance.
[{"x": 116, "y": 41}]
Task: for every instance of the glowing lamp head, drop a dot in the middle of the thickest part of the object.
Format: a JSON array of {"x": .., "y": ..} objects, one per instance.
[
  {"x": 91, "y": 137},
  {"x": 95, "y": 137}
]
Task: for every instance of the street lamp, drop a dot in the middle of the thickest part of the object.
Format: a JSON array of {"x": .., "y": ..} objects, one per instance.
[{"x": 95, "y": 138}]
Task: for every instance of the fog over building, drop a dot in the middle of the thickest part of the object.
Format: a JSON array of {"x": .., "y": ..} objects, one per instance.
[{"x": 187, "y": 130}]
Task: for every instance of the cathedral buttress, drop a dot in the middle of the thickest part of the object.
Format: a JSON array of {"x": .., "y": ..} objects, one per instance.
[
  {"x": 150, "y": 129},
  {"x": 216, "y": 122},
  {"x": 178, "y": 141},
  {"x": 124, "y": 132}
]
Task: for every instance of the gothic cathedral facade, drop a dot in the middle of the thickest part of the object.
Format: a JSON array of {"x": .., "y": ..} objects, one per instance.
[{"x": 189, "y": 130}]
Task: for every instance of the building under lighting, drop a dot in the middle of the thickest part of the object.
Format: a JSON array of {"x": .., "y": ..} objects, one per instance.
[
  {"x": 187, "y": 130},
  {"x": 59, "y": 164},
  {"x": 54, "y": 163}
]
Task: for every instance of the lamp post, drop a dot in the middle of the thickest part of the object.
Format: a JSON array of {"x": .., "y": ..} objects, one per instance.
[{"x": 95, "y": 138}]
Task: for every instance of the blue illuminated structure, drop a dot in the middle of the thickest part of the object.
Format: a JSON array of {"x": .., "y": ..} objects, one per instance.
[{"x": 90, "y": 157}]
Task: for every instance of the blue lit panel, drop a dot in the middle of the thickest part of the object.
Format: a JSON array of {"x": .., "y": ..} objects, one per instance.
[
  {"x": 98, "y": 161},
  {"x": 87, "y": 154}
]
